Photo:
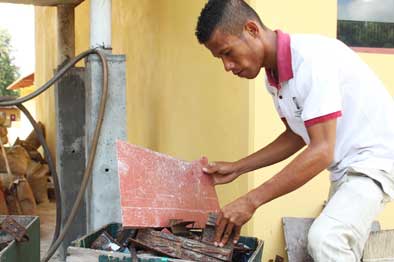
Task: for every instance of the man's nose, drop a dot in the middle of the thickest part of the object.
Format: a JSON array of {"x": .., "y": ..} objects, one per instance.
[{"x": 228, "y": 65}]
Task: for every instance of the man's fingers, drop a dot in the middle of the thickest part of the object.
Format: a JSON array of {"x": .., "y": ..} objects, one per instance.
[
  {"x": 210, "y": 168},
  {"x": 219, "y": 218},
  {"x": 221, "y": 224},
  {"x": 237, "y": 234},
  {"x": 227, "y": 234}
]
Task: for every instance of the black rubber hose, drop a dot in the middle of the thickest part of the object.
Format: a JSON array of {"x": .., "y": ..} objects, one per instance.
[
  {"x": 52, "y": 168},
  {"x": 89, "y": 167},
  {"x": 88, "y": 170},
  {"x": 51, "y": 165},
  {"x": 15, "y": 102},
  {"x": 53, "y": 80}
]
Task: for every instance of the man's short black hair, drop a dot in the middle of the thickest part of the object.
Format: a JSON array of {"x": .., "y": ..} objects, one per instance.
[{"x": 228, "y": 15}]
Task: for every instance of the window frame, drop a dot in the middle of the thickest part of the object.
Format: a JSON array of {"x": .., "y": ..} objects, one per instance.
[{"x": 362, "y": 49}]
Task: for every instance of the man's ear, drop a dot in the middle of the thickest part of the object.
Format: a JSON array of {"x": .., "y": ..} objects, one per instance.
[{"x": 252, "y": 28}]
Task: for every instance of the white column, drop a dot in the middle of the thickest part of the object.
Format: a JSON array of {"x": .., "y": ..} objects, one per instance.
[{"x": 100, "y": 23}]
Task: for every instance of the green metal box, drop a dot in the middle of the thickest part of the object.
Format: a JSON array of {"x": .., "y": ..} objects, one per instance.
[
  {"x": 80, "y": 251},
  {"x": 28, "y": 251}
]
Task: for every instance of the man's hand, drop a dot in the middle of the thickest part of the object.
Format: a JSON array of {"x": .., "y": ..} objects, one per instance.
[
  {"x": 232, "y": 218},
  {"x": 221, "y": 172}
]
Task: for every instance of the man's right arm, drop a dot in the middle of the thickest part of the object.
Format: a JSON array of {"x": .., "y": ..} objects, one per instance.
[{"x": 287, "y": 144}]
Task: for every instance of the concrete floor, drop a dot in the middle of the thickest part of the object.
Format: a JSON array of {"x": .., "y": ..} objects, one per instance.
[{"x": 47, "y": 214}]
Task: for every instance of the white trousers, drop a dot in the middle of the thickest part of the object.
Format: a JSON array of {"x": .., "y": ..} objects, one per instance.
[{"x": 342, "y": 229}]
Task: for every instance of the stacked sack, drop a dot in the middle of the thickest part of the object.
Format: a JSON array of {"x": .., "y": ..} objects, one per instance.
[{"x": 25, "y": 183}]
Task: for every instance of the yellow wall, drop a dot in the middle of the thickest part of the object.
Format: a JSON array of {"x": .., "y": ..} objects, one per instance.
[
  {"x": 181, "y": 102},
  {"x": 45, "y": 27},
  {"x": 383, "y": 66}
]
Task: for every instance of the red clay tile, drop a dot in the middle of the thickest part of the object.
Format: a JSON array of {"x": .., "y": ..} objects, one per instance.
[{"x": 155, "y": 188}]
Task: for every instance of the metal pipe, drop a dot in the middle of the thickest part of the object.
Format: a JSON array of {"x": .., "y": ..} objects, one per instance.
[
  {"x": 100, "y": 23},
  {"x": 65, "y": 52},
  {"x": 65, "y": 33}
]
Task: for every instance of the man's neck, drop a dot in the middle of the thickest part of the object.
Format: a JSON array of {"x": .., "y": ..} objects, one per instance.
[{"x": 270, "y": 45}]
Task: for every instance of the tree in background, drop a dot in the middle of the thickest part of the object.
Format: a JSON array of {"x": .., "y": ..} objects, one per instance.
[
  {"x": 366, "y": 34},
  {"x": 8, "y": 71}
]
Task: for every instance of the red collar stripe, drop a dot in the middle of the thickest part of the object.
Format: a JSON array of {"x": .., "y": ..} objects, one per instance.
[{"x": 283, "y": 58}]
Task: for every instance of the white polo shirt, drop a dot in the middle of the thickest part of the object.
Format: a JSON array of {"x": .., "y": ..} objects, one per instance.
[{"x": 320, "y": 78}]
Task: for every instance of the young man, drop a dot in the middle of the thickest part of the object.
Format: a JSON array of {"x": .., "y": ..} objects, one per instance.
[{"x": 331, "y": 103}]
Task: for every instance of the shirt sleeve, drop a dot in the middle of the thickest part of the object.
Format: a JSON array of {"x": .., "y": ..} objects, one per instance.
[{"x": 323, "y": 99}]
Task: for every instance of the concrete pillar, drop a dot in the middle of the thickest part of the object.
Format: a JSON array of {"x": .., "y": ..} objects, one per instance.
[
  {"x": 70, "y": 150},
  {"x": 65, "y": 33},
  {"x": 70, "y": 124},
  {"x": 103, "y": 194}
]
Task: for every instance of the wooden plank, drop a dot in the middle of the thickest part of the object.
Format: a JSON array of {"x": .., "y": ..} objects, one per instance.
[
  {"x": 380, "y": 247},
  {"x": 296, "y": 237},
  {"x": 183, "y": 248},
  {"x": 43, "y": 2}
]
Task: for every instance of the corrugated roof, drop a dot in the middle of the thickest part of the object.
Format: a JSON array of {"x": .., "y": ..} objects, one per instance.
[
  {"x": 22, "y": 82},
  {"x": 43, "y": 2}
]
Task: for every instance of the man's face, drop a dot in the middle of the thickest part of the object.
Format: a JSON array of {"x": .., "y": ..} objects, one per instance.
[{"x": 242, "y": 55}]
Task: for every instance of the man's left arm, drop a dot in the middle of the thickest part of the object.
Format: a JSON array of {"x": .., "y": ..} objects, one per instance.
[{"x": 315, "y": 158}]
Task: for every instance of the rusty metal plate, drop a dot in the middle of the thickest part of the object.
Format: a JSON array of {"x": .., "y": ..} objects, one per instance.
[
  {"x": 15, "y": 229},
  {"x": 105, "y": 242},
  {"x": 155, "y": 188}
]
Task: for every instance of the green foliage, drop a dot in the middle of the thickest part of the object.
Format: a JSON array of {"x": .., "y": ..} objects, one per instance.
[
  {"x": 366, "y": 34},
  {"x": 8, "y": 71}
]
